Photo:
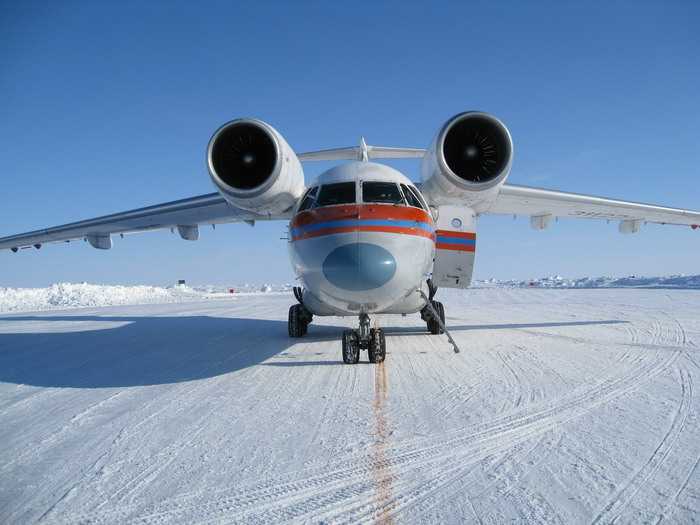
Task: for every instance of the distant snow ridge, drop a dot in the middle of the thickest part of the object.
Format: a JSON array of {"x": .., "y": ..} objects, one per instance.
[
  {"x": 83, "y": 295},
  {"x": 69, "y": 295},
  {"x": 632, "y": 281}
]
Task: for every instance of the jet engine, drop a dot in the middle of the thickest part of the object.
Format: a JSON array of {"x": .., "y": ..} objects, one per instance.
[
  {"x": 468, "y": 160},
  {"x": 254, "y": 168}
]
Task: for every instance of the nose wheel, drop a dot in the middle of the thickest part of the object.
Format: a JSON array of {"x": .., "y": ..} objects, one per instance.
[
  {"x": 351, "y": 347},
  {"x": 377, "y": 346},
  {"x": 372, "y": 340}
]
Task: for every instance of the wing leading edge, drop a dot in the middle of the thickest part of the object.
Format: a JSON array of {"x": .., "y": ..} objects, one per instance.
[
  {"x": 185, "y": 215},
  {"x": 542, "y": 204}
]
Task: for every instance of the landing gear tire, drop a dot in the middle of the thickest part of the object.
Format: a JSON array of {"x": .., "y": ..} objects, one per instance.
[
  {"x": 377, "y": 346},
  {"x": 351, "y": 348},
  {"x": 433, "y": 325},
  {"x": 298, "y": 321}
]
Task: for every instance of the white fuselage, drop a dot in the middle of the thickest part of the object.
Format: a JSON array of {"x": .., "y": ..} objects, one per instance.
[{"x": 362, "y": 254}]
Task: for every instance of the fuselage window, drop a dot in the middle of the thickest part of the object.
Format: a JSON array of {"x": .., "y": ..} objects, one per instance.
[
  {"x": 411, "y": 197},
  {"x": 308, "y": 200},
  {"x": 340, "y": 193},
  {"x": 382, "y": 192}
]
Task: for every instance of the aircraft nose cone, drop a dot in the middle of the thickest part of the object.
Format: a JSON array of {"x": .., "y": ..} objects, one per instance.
[{"x": 359, "y": 266}]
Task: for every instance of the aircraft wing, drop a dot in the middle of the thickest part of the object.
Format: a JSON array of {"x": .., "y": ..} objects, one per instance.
[
  {"x": 184, "y": 215},
  {"x": 542, "y": 205}
]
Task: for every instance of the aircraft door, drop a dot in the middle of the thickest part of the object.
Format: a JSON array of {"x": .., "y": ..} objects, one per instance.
[{"x": 455, "y": 247}]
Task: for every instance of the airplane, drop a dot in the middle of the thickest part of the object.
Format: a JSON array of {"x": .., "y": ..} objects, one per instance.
[{"x": 363, "y": 238}]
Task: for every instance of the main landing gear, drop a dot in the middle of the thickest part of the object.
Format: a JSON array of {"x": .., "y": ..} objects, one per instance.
[
  {"x": 299, "y": 317},
  {"x": 431, "y": 316},
  {"x": 366, "y": 338},
  {"x": 433, "y": 313}
]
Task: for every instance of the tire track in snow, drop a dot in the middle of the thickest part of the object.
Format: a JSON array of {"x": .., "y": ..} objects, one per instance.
[
  {"x": 30, "y": 398},
  {"x": 153, "y": 465},
  {"x": 450, "y": 484},
  {"x": 680, "y": 490},
  {"x": 685, "y": 341},
  {"x": 284, "y": 497},
  {"x": 517, "y": 382},
  {"x": 156, "y": 463},
  {"x": 453, "y": 398},
  {"x": 54, "y": 437},
  {"x": 614, "y": 508}
]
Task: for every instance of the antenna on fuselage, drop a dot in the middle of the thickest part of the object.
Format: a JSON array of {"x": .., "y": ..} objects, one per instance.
[{"x": 364, "y": 150}]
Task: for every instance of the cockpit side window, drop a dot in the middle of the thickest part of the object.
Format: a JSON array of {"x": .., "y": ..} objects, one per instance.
[
  {"x": 412, "y": 197},
  {"x": 418, "y": 194},
  {"x": 339, "y": 193},
  {"x": 381, "y": 192},
  {"x": 308, "y": 200}
]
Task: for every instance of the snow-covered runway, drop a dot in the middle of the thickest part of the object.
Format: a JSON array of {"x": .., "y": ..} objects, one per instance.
[{"x": 565, "y": 406}]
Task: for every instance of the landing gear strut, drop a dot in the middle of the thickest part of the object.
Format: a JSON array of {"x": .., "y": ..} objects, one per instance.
[{"x": 365, "y": 338}]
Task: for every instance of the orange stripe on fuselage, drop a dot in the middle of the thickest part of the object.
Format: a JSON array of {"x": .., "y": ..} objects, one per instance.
[
  {"x": 350, "y": 229},
  {"x": 361, "y": 212},
  {"x": 365, "y": 211}
]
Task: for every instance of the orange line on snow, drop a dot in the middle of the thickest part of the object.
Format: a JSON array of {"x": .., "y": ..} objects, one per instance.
[{"x": 381, "y": 470}]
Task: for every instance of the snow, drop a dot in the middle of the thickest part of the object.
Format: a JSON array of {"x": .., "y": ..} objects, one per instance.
[
  {"x": 69, "y": 295},
  {"x": 565, "y": 406},
  {"x": 80, "y": 295}
]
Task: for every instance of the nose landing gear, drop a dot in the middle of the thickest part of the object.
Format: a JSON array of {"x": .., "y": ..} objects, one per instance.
[
  {"x": 372, "y": 340},
  {"x": 351, "y": 347},
  {"x": 376, "y": 351}
]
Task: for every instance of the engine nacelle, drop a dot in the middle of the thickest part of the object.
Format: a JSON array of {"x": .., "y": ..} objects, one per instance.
[
  {"x": 467, "y": 161},
  {"x": 254, "y": 168}
]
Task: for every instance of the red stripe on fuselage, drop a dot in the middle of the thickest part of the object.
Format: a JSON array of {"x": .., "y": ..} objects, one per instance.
[
  {"x": 459, "y": 235},
  {"x": 455, "y": 247}
]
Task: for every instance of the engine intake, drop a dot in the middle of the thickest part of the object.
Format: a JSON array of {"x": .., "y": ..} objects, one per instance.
[
  {"x": 467, "y": 161},
  {"x": 475, "y": 147},
  {"x": 243, "y": 155},
  {"x": 253, "y": 166}
]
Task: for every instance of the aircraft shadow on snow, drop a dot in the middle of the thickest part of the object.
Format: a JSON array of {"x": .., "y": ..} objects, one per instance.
[{"x": 142, "y": 351}]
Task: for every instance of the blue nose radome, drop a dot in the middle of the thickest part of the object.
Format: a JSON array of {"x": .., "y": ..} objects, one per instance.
[{"x": 359, "y": 266}]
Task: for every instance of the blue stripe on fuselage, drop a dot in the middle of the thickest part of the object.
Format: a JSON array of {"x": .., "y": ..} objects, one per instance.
[{"x": 456, "y": 240}]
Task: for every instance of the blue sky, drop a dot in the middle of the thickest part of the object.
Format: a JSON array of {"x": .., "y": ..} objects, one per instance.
[{"x": 109, "y": 107}]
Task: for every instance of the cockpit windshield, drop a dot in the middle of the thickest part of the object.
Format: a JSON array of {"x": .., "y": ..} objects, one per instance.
[
  {"x": 382, "y": 192},
  {"x": 339, "y": 193}
]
